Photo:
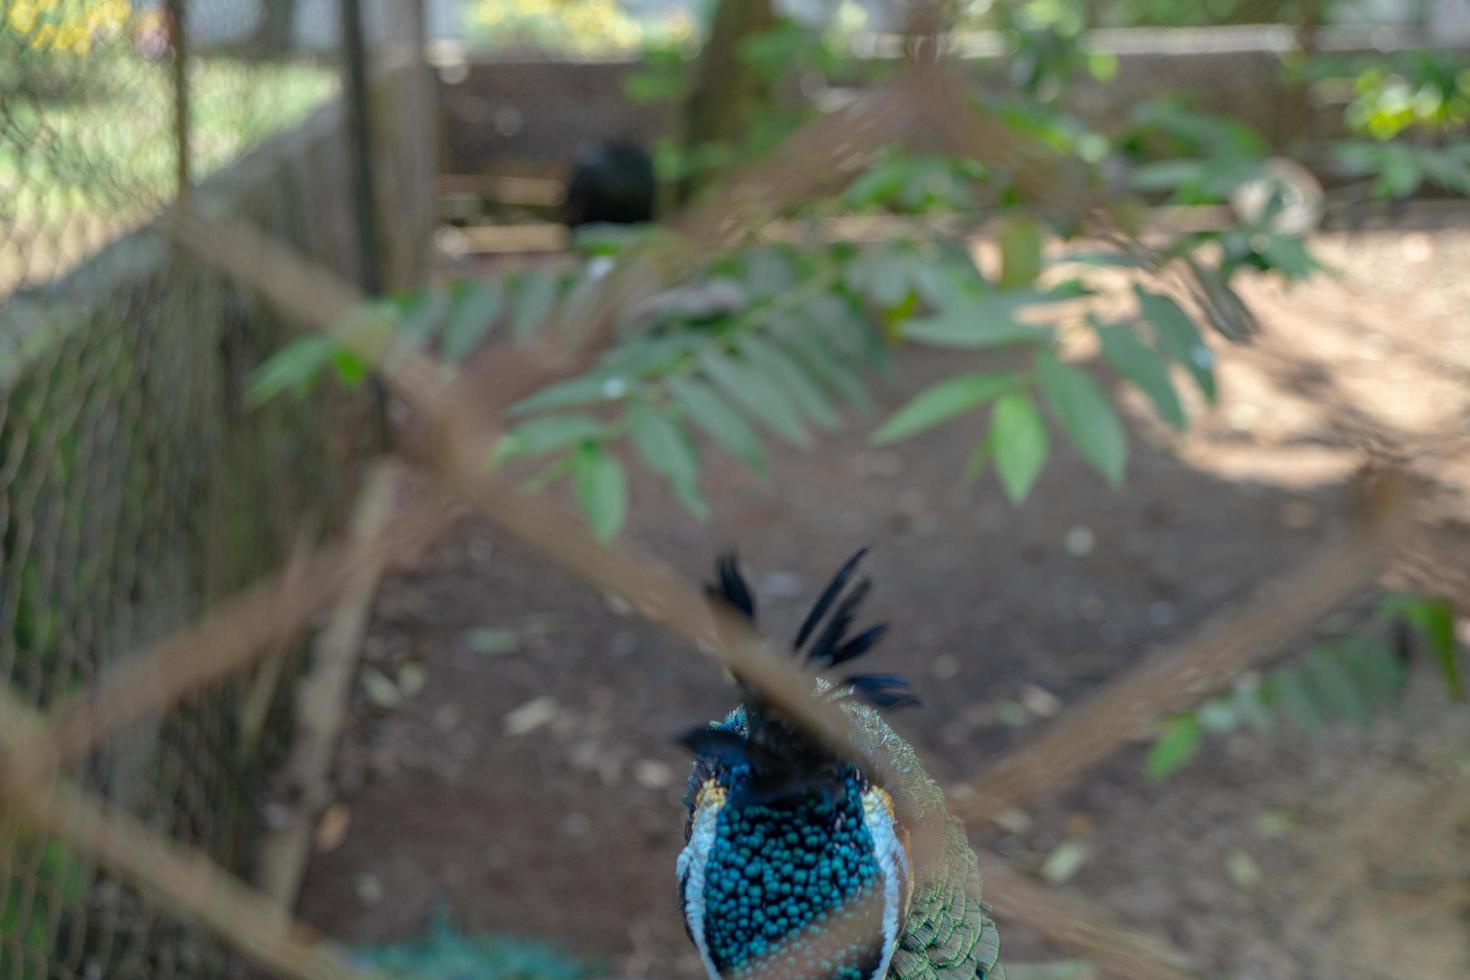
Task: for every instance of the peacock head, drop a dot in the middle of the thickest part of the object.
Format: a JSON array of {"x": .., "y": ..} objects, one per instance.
[{"x": 793, "y": 860}]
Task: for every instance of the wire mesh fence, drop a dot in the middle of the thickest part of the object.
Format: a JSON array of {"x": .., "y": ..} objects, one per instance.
[
  {"x": 136, "y": 493},
  {"x": 137, "y": 487}
]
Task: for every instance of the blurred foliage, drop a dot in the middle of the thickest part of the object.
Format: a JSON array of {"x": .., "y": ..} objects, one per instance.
[
  {"x": 1409, "y": 116},
  {"x": 1207, "y": 13},
  {"x": 791, "y": 346},
  {"x": 73, "y": 26},
  {"x": 782, "y": 339},
  {"x": 1164, "y": 13},
  {"x": 791, "y": 60},
  {"x": 1358, "y": 678},
  {"x": 580, "y": 26},
  {"x": 1398, "y": 94},
  {"x": 801, "y": 329},
  {"x": 40, "y": 880},
  {"x": 445, "y": 954},
  {"x": 1045, "y": 47},
  {"x": 113, "y": 121}
]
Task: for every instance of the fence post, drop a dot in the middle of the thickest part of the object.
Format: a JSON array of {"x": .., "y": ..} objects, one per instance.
[
  {"x": 364, "y": 184},
  {"x": 360, "y": 145},
  {"x": 1298, "y": 114},
  {"x": 178, "y": 35}
]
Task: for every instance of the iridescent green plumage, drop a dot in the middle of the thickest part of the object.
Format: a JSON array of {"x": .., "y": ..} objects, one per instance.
[
  {"x": 756, "y": 776},
  {"x": 948, "y": 933}
]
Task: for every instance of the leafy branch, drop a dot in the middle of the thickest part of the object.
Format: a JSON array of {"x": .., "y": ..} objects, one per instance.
[{"x": 1358, "y": 678}]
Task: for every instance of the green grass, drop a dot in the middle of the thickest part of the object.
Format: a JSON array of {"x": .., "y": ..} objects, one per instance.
[{"x": 88, "y": 145}]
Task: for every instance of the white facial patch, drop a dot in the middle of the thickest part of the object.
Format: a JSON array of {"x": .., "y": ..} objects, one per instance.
[
  {"x": 894, "y": 864},
  {"x": 691, "y": 865}
]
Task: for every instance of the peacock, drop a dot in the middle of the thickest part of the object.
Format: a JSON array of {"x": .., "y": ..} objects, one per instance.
[
  {"x": 794, "y": 861},
  {"x": 613, "y": 182}
]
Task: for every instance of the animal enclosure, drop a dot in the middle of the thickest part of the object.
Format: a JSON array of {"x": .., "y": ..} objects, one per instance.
[{"x": 196, "y": 519}]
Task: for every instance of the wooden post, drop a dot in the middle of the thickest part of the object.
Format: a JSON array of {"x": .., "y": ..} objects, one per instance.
[
  {"x": 178, "y": 35},
  {"x": 322, "y": 696},
  {"x": 364, "y": 183},
  {"x": 1298, "y": 115}
]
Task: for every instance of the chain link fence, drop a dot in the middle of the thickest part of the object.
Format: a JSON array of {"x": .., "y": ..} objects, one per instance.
[{"x": 138, "y": 486}]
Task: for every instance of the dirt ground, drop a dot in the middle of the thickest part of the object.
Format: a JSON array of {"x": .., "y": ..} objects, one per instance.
[{"x": 531, "y": 785}]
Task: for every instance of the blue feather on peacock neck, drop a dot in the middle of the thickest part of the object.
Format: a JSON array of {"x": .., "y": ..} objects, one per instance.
[{"x": 784, "y": 838}]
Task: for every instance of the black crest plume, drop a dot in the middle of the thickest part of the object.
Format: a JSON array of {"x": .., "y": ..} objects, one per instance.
[
  {"x": 834, "y": 642},
  {"x": 731, "y": 587}
]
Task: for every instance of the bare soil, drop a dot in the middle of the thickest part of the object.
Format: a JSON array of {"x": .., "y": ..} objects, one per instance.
[{"x": 535, "y": 791}]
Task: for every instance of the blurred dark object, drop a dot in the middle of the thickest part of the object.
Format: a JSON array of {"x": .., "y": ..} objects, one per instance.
[
  {"x": 446, "y": 954},
  {"x": 612, "y": 183}
]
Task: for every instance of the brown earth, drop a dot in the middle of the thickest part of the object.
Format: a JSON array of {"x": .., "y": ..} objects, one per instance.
[{"x": 535, "y": 790}]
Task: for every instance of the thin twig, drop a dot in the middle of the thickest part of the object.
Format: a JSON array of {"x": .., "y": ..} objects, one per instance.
[{"x": 1125, "y": 709}]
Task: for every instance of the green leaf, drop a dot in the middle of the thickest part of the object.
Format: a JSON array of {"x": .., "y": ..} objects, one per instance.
[
  {"x": 1435, "y": 621},
  {"x": 1291, "y": 693},
  {"x": 883, "y": 275},
  {"x": 1248, "y": 703},
  {"x": 1180, "y": 338},
  {"x": 851, "y": 335},
  {"x": 655, "y": 83},
  {"x": 1086, "y": 415},
  {"x": 352, "y": 369},
  {"x": 812, "y": 352},
  {"x": 1379, "y": 673},
  {"x": 1020, "y": 253},
  {"x": 476, "y": 306},
  {"x": 1400, "y": 175},
  {"x": 754, "y": 391},
  {"x": 294, "y": 366},
  {"x": 1166, "y": 175},
  {"x": 1224, "y": 308},
  {"x": 1447, "y": 169},
  {"x": 535, "y": 296},
  {"x": 417, "y": 317},
  {"x": 944, "y": 401},
  {"x": 1174, "y": 749},
  {"x": 768, "y": 270},
  {"x": 64, "y": 872},
  {"x": 1019, "y": 442},
  {"x": 574, "y": 393},
  {"x": 1337, "y": 688},
  {"x": 1142, "y": 365},
  {"x": 581, "y": 304},
  {"x": 653, "y": 355},
  {"x": 1288, "y": 254},
  {"x": 602, "y": 489},
  {"x": 667, "y": 450},
  {"x": 975, "y": 465},
  {"x": 548, "y": 433},
  {"x": 1103, "y": 260},
  {"x": 689, "y": 494},
  {"x": 976, "y": 323},
  {"x": 719, "y": 420},
  {"x": 805, "y": 391},
  {"x": 948, "y": 281}
]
